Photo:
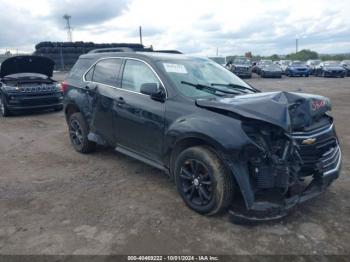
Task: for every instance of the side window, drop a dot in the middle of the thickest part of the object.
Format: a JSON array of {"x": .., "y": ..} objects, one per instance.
[
  {"x": 136, "y": 74},
  {"x": 88, "y": 76},
  {"x": 106, "y": 71}
]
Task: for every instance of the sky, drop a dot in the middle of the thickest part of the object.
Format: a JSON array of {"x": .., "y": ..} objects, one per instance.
[{"x": 196, "y": 27}]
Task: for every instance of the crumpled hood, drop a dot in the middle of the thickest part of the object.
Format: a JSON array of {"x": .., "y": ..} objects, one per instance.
[
  {"x": 27, "y": 64},
  {"x": 287, "y": 110}
]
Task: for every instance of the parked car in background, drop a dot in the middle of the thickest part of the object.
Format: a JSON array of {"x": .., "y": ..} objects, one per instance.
[
  {"x": 270, "y": 69},
  {"x": 223, "y": 142},
  {"x": 297, "y": 68},
  {"x": 330, "y": 69},
  {"x": 261, "y": 64},
  {"x": 241, "y": 67},
  {"x": 26, "y": 84},
  {"x": 312, "y": 63},
  {"x": 219, "y": 59},
  {"x": 346, "y": 65},
  {"x": 284, "y": 64}
]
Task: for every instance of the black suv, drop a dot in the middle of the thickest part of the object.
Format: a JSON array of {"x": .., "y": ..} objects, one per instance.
[
  {"x": 226, "y": 144},
  {"x": 25, "y": 83}
]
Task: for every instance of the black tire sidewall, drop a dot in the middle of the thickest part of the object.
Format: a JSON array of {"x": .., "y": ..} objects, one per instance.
[
  {"x": 86, "y": 145},
  {"x": 205, "y": 156},
  {"x": 6, "y": 111}
]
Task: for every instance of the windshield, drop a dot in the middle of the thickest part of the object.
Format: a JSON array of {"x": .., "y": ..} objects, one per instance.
[
  {"x": 241, "y": 61},
  {"x": 314, "y": 62},
  {"x": 198, "y": 71},
  {"x": 331, "y": 63},
  {"x": 297, "y": 63},
  {"x": 285, "y": 62},
  {"x": 266, "y": 62},
  {"x": 219, "y": 60}
]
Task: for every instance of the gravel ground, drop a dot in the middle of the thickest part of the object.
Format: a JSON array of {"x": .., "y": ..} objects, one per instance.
[{"x": 54, "y": 200}]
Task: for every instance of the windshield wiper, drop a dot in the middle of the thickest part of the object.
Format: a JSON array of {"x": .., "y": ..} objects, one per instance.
[
  {"x": 236, "y": 86},
  {"x": 209, "y": 89}
]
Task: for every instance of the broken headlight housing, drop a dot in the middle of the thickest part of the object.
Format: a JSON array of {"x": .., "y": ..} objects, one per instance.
[{"x": 272, "y": 158}]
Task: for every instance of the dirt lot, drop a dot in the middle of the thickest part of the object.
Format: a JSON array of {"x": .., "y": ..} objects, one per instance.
[{"x": 56, "y": 201}]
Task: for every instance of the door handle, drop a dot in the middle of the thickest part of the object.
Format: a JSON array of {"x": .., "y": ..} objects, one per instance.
[{"x": 120, "y": 101}]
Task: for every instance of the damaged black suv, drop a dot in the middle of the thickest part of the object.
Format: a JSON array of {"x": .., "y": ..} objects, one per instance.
[
  {"x": 226, "y": 144},
  {"x": 26, "y": 84}
]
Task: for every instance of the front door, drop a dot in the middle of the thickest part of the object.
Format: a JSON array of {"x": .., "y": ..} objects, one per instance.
[{"x": 140, "y": 119}]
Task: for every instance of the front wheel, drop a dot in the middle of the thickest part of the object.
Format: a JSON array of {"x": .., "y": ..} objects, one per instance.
[
  {"x": 203, "y": 181},
  {"x": 78, "y": 132}
]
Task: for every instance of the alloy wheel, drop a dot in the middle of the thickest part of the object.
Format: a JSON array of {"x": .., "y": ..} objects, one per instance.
[
  {"x": 75, "y": 132},
  {"x": 196, "y": 182}
]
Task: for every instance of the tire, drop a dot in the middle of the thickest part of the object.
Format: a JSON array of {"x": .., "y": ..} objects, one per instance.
[
  {"x": 209, "y": 190},
  {"x": 307, "y": 75},
  {"x": 3, "y": 106},
  {"x": 78, "y": 132}
]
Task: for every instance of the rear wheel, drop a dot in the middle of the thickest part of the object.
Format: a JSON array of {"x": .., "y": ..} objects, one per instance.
[
  {"x": 202, "y": 180},
  {"x": 78, "y": 132},
  {"x": 3, "y": 106}
]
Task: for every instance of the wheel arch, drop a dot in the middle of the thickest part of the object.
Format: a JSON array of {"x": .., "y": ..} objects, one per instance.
[
  {"x": 188, "y": 141},
  {"x": 70, "y": 109}
]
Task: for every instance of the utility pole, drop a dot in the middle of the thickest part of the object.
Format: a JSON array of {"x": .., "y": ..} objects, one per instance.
[
  {"x": 217, "y": 51},
  {"x": 140, "y": 32},
  {"x": 296, "y": 45},
  {"x": 68, "y": 27}
]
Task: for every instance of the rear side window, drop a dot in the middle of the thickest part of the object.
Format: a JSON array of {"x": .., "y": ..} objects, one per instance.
[
  {"x": 88, "y": 76},
  {"x": 106, "y": 71},
  {"x": 79, "y": 68}
]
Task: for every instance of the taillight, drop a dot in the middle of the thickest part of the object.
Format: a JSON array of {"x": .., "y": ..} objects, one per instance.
[{"x": 64, "y": 86}]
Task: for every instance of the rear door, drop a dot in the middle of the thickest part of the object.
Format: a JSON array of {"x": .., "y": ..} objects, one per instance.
[
  {"x": 105, "y": 76},
  {"x": 140, "y": 119}
]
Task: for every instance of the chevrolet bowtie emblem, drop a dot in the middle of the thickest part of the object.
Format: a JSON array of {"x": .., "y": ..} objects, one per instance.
[{"x": 309, "y": 141}]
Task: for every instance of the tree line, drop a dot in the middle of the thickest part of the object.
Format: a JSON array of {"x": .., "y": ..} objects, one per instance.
[{"x": 302, "y": 55}]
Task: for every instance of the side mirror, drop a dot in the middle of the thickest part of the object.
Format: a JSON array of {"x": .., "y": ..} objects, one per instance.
[{"x": 154, "y": 90}]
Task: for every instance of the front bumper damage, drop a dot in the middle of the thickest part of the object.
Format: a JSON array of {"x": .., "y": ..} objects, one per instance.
[
  {"x": 260, "y": 211},
  {"x": 289, "y": 155},
  {"x": 320, "y": 165}
]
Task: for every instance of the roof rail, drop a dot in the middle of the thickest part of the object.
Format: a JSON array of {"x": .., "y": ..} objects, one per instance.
[
  {"x": 168, "y": 51},
  {"x": 112, "y": 49}
]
